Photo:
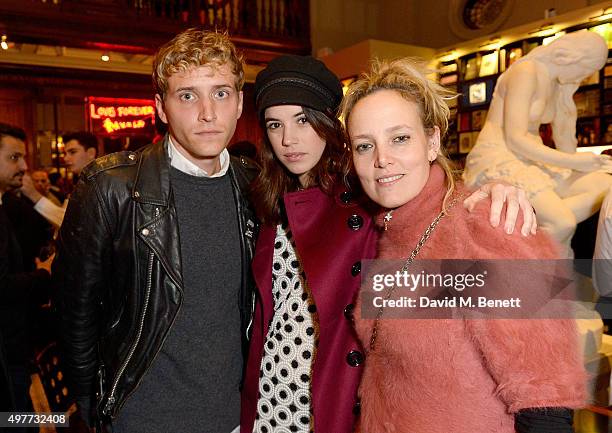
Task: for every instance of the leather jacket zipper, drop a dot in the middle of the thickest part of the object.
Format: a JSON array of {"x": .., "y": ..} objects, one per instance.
[
  {"x": 111, "y": 397},
  {"x": 248, "y": 328}
]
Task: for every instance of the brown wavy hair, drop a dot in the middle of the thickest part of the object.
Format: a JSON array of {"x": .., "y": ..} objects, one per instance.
[{"x": 274, "y": 180}]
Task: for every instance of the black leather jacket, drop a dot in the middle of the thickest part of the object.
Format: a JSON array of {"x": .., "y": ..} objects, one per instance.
[{"x": 118, "y": 270}]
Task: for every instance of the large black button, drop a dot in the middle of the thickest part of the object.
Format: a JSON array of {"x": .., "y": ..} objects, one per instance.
[
  {"x": 354, "y": 358},
  {"x": 355, "y": 222},
  {"x": 346, "y": 197},
  {"x": 348, "y": 311},
  {"x": 356, "y": 269},
  {"x": 357, "y": 408}
]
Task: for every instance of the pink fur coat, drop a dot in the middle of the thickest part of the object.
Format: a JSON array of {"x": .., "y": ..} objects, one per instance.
[{"x": 463, "y": 376}]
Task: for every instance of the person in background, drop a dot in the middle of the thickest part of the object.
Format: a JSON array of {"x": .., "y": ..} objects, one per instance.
[
  {"x": 19, "y": 287},
  {"x": 81, "y": 149},
  {"x": 58, "y": 185},
  {"x": 33, "y": 232},
  {"x": 153, "y": 258},
  {"x": 446, "y": 375},
  {"x": 43, "y": 186},
  {"x": 305, "y": 362}
]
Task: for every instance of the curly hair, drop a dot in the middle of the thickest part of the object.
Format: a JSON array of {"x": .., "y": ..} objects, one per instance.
[{"x": 193, "y": 48}]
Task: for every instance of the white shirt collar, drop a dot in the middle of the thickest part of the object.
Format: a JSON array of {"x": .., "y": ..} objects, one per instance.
[{"x": 181, "y": 163}]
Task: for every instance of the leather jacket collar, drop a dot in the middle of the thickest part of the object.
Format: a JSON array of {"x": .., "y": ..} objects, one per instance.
[{"x": 152, "y": 183}]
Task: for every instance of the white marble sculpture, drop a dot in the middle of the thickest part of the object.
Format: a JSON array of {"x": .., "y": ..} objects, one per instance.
[{"x": 565, "y": 187}]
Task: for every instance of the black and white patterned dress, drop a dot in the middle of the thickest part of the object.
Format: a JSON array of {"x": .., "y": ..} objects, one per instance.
[{"x": 285, "y": 399}]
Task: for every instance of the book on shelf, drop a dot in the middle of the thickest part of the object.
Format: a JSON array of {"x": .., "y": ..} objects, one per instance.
[
  {"x": 465, "y": 122},
  {"x": 587, "y": 103},
  {"x": 478, "y": 119},
  {"x": 607, "y": 130},
  {"x": 447, "y": 80},
  {"x": 587, "y": 132}
]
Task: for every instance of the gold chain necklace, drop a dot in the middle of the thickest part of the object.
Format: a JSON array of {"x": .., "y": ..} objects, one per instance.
[{"x": 408, "y": 262}]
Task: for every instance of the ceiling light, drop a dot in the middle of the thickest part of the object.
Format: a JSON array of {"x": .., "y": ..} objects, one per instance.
[{"x": 105, "y": 57}]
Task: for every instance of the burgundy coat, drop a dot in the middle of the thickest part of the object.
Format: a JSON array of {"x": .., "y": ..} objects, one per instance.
[{"x": 332, "y": 235}]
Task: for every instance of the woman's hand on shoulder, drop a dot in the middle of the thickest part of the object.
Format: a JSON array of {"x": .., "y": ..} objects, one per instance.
[{"x": 516, "y": 201}]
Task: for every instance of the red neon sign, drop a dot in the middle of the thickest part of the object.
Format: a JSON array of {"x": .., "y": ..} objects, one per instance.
[
  {"x": 120, "y": 115},
  {"x": 113, "y": 111}
]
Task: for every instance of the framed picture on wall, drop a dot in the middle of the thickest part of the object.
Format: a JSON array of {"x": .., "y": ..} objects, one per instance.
[
  {"x": 471, "y": 68},
  {"x": 465, "y": 122},
  {"x": 477, "y": 93},
  {"x": 513, "y": 55},
  {"x": 478, "y": 119},
  {"x": 488, "y": 64},
  {"x": 465, "y": 142}
]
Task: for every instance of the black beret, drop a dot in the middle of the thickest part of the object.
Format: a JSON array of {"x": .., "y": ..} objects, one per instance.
[{"x": 297, "y": 80}]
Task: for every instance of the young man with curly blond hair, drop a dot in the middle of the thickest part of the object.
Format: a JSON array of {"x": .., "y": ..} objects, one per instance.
[{"x": 153, "y": 258}]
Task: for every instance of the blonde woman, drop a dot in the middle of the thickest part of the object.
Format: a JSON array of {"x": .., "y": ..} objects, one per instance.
[{"x": 444, "y": 375}]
